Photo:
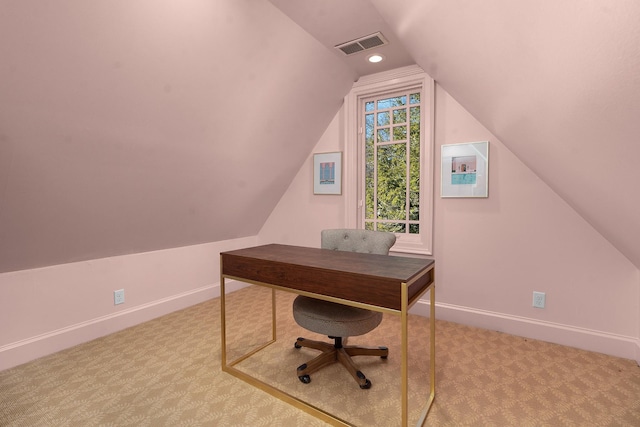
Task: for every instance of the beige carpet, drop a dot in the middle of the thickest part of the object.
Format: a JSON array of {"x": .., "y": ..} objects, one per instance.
[{"x": 167, "y": 373}]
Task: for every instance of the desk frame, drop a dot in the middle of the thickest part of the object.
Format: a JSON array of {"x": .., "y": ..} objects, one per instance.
[{"x": 406, "y": 304}]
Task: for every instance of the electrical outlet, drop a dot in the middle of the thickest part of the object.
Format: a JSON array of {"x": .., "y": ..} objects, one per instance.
[
  {"x": 539, "y": 299},
  {"x": 118, "y": 297}
]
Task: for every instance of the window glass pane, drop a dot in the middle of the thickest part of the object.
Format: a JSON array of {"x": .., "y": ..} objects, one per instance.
[
  {"x": 414, "y": 165},
  {"x": 369, "y": 178},
  {"x": 383, "y": 119},
  {"x": 399, "y": 133},
  {"x": 393, "y": 227},
  {"x": 414, "y": 208},
  {"x": 414, "y": 120},
  {"x": 414, "y": 193},
  {"x": 392, "y": 166},
  {"x": 383, "y": 135},
  {"x": 392, "y": 182},
  {"x": 368, "y": 125},
  {"x": 392, "y": 102},
  {"x": 400, "y": 116}
]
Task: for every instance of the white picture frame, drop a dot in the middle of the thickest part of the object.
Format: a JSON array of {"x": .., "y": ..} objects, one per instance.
[
  {"x": 465, "y": 170},
  {"x": 327, "y": 173}
]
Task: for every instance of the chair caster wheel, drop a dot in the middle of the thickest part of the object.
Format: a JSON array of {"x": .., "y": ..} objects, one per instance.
[
  {"x": 296, "y": 345},
  {"x": 366, "y": 385},
  {"x": 305, "y": 379},
  {"x": 384, "y": 348}
]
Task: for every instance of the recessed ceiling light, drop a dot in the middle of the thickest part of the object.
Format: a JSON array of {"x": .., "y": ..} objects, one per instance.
[{"x": 376, "y": 57}]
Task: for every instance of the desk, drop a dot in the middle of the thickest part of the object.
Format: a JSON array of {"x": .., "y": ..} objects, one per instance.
[{"x": 388, "y": 284}]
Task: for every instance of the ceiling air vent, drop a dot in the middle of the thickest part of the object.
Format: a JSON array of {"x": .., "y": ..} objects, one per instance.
[{"x": 363, "y": 43}]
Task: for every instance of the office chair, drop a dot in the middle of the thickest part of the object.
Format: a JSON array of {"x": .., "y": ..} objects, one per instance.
[{"x": 339, "y": 321}]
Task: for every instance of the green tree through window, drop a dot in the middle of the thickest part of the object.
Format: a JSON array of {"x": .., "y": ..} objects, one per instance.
[{"x": 392, "y": 162}]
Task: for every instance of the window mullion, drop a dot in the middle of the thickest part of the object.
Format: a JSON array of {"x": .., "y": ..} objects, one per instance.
[
  {"x": 375, "y": 167},
  {"x": 407, "y": 144}
]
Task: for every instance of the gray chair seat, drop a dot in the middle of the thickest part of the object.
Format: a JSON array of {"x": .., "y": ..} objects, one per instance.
[{"x": 329, "y": 318}]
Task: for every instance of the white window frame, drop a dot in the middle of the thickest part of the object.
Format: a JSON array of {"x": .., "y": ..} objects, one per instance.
[{"x": 375, "y": 85}]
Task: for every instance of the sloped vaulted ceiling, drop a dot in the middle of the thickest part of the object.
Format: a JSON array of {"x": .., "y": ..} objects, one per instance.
[
  {"x": 557, "y": 82},
  {"x": 128, "y": 126},
  {"x": 134, "y": 126}
]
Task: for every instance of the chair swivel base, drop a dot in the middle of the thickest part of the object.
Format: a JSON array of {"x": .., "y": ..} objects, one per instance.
[{"x": 332, "y": 353}]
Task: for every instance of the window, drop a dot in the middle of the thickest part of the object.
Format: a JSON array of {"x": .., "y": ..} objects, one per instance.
[
  {"x": 388, "y": 153},
  {"x": 392, "y": 162}
]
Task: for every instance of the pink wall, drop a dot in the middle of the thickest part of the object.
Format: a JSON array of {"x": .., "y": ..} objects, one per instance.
[
  {"x": 300, "y": 215},
  {"x": 48, "y": 309},
  {"x": 493, "y": 253}
]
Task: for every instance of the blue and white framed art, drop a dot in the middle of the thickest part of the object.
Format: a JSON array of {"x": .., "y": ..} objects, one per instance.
[{"x": 465, "y": 170}]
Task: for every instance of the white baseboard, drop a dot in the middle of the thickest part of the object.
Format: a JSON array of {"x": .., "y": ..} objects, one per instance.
[
  {"x": 586, "y": 339},
  {"x": 25, "y": 350}
]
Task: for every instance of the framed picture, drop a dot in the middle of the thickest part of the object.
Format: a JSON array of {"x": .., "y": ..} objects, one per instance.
[
  {"x": 327, "y": 173},
  {"x": 465, "y": 170}
]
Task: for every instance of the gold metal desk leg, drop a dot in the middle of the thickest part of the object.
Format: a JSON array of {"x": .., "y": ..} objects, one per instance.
[
  {"x": 223, "y": 326},
  {"x": 404, "y": 369},
  {"x": 228, "y": 366},
  {"x": 432, "y": 350},
  {"x": 273, "y": 315},
  {"x": 432, "y": 355}
]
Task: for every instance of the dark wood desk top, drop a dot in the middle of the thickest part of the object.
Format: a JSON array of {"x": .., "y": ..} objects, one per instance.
[{"x": 365, "y": 278}]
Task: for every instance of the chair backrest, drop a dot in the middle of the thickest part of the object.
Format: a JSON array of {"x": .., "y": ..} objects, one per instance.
[{"x": 353, "y": 240}]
